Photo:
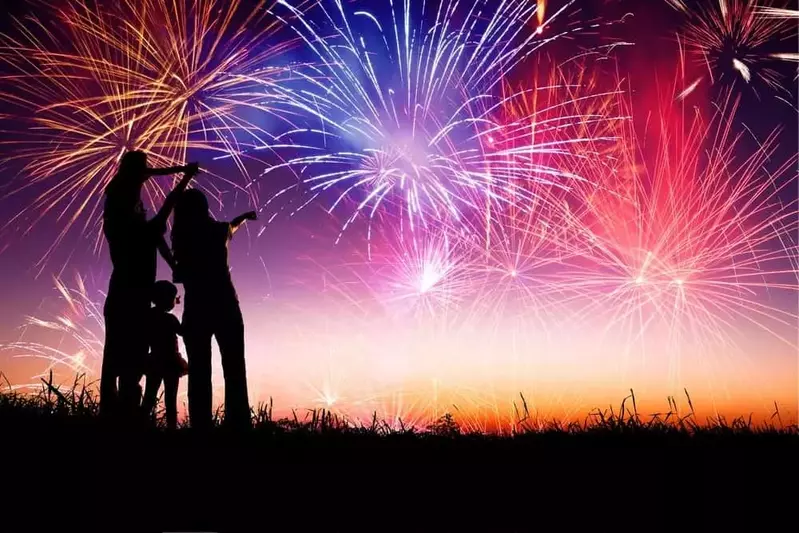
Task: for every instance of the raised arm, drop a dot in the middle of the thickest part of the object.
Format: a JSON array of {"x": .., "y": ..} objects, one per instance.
[
  {"x": 164, "y": 171},
  {"x": 172, "y": 198},
  {"x": 190, "y": 168},
  {"x": 239, "y": 220}
]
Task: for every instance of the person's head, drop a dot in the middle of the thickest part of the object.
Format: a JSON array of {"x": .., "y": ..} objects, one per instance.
[
  {"x": 192, "y": 207},
  {"x": 133, "y": 165},
  {"x": 123, "y": 192},
  {"x": 165, "y": 295}
]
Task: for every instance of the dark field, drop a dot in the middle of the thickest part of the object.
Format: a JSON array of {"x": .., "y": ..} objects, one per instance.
[{"x": 64, "y": 470}]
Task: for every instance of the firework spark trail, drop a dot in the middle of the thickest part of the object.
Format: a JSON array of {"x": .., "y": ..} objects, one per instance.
[
  {"x": 779, "y": 13},
  {"x": 92, "y": 82},
  {"x": 734, "y": 36},
  {"x": 404, "y": 100}
]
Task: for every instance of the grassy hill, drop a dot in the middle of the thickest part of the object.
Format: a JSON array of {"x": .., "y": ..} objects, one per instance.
[{"x": 321, "y": 471}]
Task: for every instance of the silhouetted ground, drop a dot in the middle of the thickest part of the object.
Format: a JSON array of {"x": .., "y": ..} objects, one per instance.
[{"x": 64, "y": 470}]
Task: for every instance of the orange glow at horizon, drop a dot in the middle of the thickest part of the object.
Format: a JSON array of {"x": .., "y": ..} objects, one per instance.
[{"x": 483, "y": 374}]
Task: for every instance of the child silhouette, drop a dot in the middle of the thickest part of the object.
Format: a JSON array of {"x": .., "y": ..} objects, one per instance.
[{"x": 165, "y": 362}]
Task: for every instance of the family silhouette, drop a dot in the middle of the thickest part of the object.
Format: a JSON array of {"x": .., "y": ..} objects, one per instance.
[{"x": 141, "y": 332}]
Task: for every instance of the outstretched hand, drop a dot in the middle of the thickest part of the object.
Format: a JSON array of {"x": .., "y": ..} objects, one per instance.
[{"x": 239, "y": 220}]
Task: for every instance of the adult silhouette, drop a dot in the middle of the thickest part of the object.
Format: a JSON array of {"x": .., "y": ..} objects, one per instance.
[
  {"x": 210, "y": 308},
  {"x": 133, "y": 243}
]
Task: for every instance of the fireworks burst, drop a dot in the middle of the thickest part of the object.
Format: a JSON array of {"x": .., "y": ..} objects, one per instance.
[
  {"x": 404, "y": 100},
  {"x": 778, "y": 13},
  {"x": 737, "y": 37},
  {"x": 425, "y": 276},
  {"x": 690, "y": 240},
  {"x": 90, "y": 82}
]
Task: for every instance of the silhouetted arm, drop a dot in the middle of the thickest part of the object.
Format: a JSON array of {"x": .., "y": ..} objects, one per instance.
[
  {"x": 164, "y": 171},
  {"x": 166, "y": 253},
  {"x": 241, "y": 219},
  {"x": 171, "y": 199}
]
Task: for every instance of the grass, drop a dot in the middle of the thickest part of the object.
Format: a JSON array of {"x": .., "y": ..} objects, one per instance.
[
  {"x": 60, "y": 408},
  {"x": 318, "y": 466}
]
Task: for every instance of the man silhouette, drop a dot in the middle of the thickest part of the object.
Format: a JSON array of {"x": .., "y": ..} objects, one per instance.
[{"x": 133, "y": 243}]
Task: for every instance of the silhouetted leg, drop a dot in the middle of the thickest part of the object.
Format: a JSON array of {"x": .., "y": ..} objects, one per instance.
[
  {"x": 113, "y": 350},
  {"x": 198, "y": 352},
  {"x": 108, "y": 373},
  {"x": 171, "y": 382},
  {"x": 230, "y": 336},
  {"x": 153, "y": 383},
  {"x": 125, "y": 350},
  {"x": 130, "y": 375}
]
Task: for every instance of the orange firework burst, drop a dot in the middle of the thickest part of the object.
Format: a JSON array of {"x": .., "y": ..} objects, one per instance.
[{"x": 92, "y": 81}]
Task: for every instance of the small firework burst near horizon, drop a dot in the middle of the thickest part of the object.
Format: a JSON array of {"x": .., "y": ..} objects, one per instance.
[
  {"x": 85, "y": 82},
  {"x": 77, "y": 330},
  {"x": 426, "y": 279}
]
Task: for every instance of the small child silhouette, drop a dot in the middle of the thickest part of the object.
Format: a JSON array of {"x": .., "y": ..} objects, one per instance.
[{"x": 165, "y": 362}]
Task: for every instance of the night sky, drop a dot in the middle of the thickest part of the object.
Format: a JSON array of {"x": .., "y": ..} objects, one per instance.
[{"x": 314, "y": 336}]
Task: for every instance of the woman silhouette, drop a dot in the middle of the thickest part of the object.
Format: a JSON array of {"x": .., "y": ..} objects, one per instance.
[
  {"x": 210, "y": 308},
  {"x": 133, "y": 242}
]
